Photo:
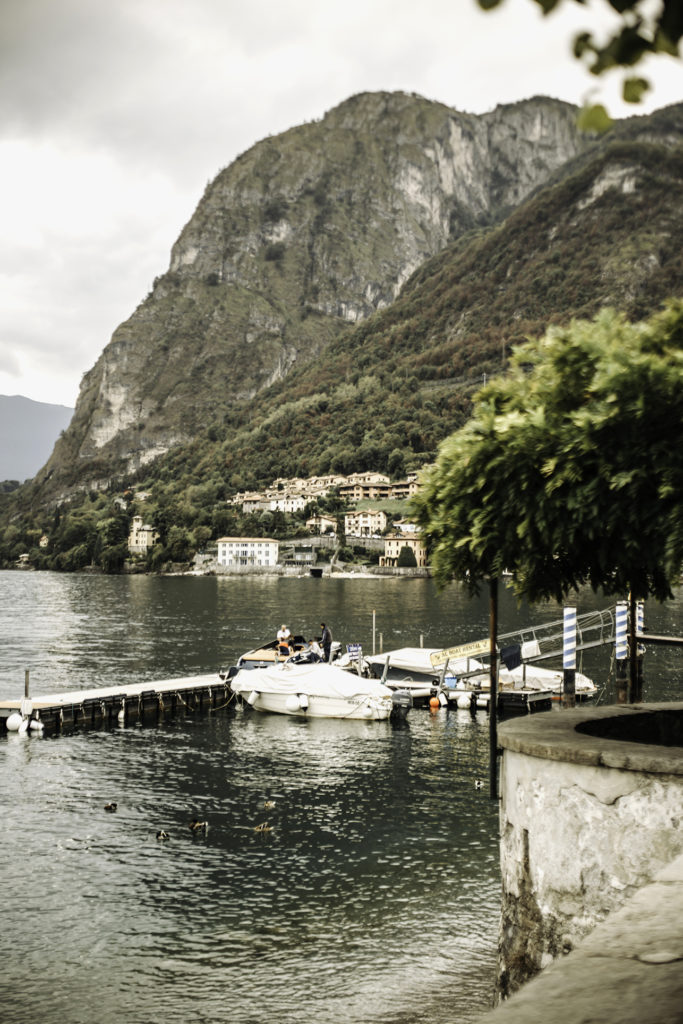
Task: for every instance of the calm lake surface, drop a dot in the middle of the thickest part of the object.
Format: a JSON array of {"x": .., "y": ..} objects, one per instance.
[{"x": 375, "y": 898}]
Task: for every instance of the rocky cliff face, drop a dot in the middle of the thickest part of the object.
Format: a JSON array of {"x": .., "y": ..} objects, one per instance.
[{"x": 302, "y": 237}]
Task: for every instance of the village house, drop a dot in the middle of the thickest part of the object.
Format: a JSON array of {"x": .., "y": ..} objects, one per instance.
[
  {"x": 404, "y": 526},
  {"x": 405, "y": 488},
  {"x": 288, "y": 503},
  {"x": 247, "y": 551},
  {"x": 393, "y": 544},
  {"x": 365, "y": 523},
  {"x": 141, "y": 537},
  {"x": 322, "y": 524}
]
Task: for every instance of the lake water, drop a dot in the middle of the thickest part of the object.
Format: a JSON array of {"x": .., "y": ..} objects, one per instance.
[{"x": 375, "y": 897}]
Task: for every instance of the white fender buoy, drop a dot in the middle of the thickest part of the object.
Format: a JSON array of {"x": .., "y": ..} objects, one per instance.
[
  {"x": 303, "y": 701},
  {"x": 292, "y": 704},
  {"x": 13, "y": 722},
  {"x": 36, "y": 725},
  {"x": 443, "y": 699},
  {"x": 253, "y": 697},
  {"x": 367, "y": 711},
  {"x": 464, "y": 701},
  {"x": 23, "y": 728}
]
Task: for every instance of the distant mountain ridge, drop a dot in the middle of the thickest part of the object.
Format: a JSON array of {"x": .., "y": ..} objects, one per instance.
[{"x": 28, "y": 433}]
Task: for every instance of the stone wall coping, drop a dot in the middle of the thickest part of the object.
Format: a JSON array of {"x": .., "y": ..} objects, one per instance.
[
  {"x": 553, "y": 735},
  {"x": 629, "y": 969}
]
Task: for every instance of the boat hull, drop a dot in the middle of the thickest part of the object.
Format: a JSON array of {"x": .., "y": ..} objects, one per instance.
[{"x": 313, "y": 691}]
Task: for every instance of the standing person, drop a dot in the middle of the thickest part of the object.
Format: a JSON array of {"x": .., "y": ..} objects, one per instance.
[
  {"x": 284, "y": 640},
  {"x": 326, "y": 641},
  {"x": 283, "y": 634}
]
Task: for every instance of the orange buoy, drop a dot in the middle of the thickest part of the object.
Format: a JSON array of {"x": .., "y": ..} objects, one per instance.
[{"x": 434, "y": 703}]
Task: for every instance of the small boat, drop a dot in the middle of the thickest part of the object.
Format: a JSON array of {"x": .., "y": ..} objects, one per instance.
[
  {"x": 273, "y": 653},
  {"x": 411, "y": 668},
  {"x": 316, "y": 690}
]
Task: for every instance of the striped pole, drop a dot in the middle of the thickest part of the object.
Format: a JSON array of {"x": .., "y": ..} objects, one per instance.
[
  {"x": 621, "y": 649},
  {"x": 620, "y": 642},
  {"x": 569, "y": 658},
  {"x": 640, "y": 628}
]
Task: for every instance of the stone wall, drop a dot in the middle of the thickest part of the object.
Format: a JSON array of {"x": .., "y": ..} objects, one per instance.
[{"x": 586, "y": 821}]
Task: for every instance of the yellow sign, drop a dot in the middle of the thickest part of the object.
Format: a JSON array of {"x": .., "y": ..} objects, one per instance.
[{"x": 463, "y": 651}]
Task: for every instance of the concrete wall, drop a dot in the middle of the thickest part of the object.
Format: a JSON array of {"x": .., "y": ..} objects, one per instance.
[{"x": 586, "y": 821}]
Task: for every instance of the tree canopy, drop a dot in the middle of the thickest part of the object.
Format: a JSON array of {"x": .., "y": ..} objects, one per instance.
[{"x": 570, "y": 470}]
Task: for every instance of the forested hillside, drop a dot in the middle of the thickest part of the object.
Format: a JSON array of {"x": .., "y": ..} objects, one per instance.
[{"x": 605, "y": 230}]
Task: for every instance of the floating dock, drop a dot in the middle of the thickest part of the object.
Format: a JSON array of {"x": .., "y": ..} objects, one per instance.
[{"x": 146, "y": 702}]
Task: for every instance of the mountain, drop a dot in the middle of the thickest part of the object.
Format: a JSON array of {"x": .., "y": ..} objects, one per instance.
[
  {"x": 304, "y": 236},
  {"x": 28, "y": 432},
  {"x": 341, "y": 289}
]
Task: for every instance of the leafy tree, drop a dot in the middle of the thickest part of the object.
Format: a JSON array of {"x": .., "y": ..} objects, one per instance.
[
  {"x": 112, "y": 558},
  {"x": 571, "y": 468},
  {"x": 406, "y": 558},
  {"x": 179, "y": 546}
]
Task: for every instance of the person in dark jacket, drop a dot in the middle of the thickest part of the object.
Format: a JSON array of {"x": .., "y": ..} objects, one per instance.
[{"x": 326, "y": 641}]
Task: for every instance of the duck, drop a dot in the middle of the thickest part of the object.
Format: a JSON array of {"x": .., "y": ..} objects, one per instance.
[
  {"x": 198, "y": 826},
  {"x": 263, "y": 827},
  {"x": 162, "y": 835},
  {"x": 478, "y": 784},
  {"x": 110, "y": 807},
  {"x": 269, "y": 804}
]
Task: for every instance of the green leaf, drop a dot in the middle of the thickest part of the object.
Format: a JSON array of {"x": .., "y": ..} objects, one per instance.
[
  {"x": 594, "y": 119},
  {"x": 634, "y": 89}
]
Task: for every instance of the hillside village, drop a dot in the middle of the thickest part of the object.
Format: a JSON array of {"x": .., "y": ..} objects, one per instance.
[{"x": 395, "y": 541}]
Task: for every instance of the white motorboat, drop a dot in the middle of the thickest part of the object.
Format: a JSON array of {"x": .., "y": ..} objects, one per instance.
[
  {"x": 317, "y": 691},
  {"x": 411, "y": 668}
]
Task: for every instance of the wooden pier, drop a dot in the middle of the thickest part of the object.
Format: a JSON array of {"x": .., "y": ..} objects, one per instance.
[{"x": 146, "y": 702}]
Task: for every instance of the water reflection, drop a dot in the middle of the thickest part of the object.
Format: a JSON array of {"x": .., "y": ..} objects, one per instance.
[{"x": 375, "y": 897}]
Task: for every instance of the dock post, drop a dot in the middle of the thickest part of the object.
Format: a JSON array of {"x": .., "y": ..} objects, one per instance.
[
  {"x": 637, "y": 694},
  {"x": 632, "y": 651},
  {"x": 493, "y": 691},
  {"x": 26, "y": 671},
  {"x": 373, "y": 630},
  {"x": 621, "y": 651},
  {"x": 569, "y": 659}
]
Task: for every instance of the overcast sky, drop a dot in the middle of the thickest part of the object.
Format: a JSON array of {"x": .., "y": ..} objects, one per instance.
[{"x": 114, "y": 114}]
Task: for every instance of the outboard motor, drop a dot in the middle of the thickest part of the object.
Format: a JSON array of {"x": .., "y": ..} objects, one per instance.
[{"x": 401, "y": 703}]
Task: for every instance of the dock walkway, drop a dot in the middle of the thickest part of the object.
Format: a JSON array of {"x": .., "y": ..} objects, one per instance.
[{"x": 145, "y": 701}]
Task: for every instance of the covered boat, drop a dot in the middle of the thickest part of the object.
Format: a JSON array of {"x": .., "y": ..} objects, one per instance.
[
  {"x": 411, "y": 668},
  {"x": 317, "y": 691}
]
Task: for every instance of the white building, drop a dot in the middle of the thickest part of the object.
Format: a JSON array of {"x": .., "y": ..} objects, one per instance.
[
  {"x": 247, "y": 551},
  {"x": 141, "y": 537},
  {"x": 288, "y": 503},
  {"x": 364, "y": 524}
]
